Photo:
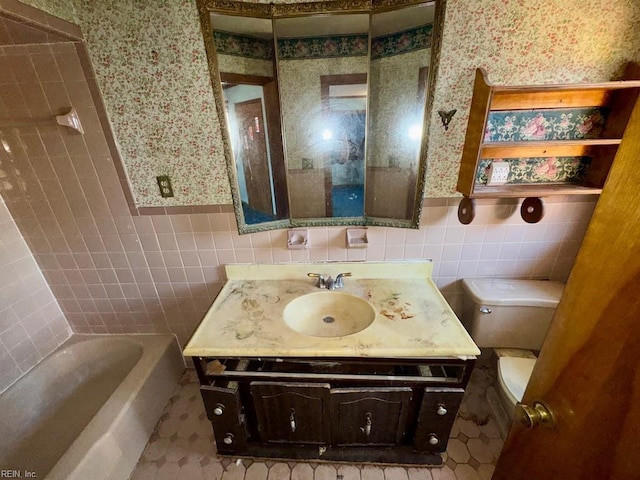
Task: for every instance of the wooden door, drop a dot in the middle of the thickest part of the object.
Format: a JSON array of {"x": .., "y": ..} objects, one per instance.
[
  {"x": 292, "y": 412},
  {"x": 589, "y": 368},
  {"x": 369, "y": 416},
  {"x": 253, "y": 152}
]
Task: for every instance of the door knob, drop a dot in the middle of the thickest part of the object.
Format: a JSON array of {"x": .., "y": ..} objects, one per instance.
[{"x": 538, "y": 414}]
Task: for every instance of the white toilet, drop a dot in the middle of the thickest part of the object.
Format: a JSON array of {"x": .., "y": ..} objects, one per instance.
[{"x": 512, "y": 317}]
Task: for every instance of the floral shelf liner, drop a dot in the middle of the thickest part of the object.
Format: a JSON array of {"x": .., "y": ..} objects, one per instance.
[
  {"x": 548, "y": 124},
  {"x": 538, "y": 170}
]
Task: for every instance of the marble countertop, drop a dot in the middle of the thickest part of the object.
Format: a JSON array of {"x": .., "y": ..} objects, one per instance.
[{"x": 412, "y": 318}]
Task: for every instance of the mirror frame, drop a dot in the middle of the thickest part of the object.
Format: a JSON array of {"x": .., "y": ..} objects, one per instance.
[{"x": 274, "y": 11}]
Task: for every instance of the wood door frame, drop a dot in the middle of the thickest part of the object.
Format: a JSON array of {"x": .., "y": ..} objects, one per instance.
[{"x": 274, "y": 130}]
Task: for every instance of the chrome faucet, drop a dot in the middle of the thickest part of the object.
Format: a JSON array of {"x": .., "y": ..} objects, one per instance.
[{"x": 325, "y": 281}]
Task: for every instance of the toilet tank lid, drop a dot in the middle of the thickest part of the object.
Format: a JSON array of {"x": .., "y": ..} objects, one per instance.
[{"x": 527, "y": 293}]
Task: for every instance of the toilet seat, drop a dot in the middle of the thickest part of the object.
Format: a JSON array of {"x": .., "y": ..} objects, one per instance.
[{"x": 514, "y": 374}]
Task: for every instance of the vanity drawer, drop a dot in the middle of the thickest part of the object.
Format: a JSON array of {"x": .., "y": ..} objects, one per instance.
[
  {"x": 223, "y": 406},
  {"x": 437, "y": 413}
]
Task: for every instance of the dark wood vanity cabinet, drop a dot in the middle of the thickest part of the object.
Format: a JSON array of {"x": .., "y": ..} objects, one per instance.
[{"x": 373, "y": 410}]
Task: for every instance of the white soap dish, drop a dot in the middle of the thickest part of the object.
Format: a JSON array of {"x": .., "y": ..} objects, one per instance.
[
  {"x": 298, "y": 238},
  {"x": 357, "y": 238}
]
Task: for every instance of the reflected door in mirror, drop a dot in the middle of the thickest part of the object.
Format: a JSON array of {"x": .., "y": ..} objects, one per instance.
[
  {"x": 245, "y": 54},
  {"x": 252, "y": 149}
]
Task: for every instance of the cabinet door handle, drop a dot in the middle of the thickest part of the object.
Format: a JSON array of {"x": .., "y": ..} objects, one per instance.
[
  {"x": 367, "y": 428},
  {"x": 292, "y": 420}
]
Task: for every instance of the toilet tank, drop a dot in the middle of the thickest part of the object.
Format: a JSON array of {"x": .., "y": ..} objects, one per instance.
[{"x": 504, "y": 313}]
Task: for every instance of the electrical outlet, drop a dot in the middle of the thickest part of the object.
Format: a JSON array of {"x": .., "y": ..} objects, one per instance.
[
  {"x": 498, "y": 173},
  {"x": 166, "y": 190}
]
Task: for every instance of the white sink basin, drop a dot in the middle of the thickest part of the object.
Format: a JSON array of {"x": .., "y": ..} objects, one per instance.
[{"x": 328, "y": 314}]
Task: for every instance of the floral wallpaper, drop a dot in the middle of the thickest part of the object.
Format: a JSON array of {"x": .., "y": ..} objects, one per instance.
[
  {"x": 245, "y": 65},
  {"x": 538, "y": 170},
  {"x": 65, "y": 9},
  {"x": 394, "y": 111},
  {"x": 548, "y": 124},
  {"x": 151, "y": 66},
  {"x": 152, "y": 70}
]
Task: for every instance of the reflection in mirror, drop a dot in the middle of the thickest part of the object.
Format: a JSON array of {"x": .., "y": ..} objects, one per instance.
[
  {"x": 322, "y": 66},
  {"x": 400, "y": 53},
  {"x": 345, "y": 143},
  {"x": 245, "y": 54}
]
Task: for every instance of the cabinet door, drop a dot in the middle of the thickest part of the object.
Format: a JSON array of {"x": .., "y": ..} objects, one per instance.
[
  {"x": 437, "y": 414},
  {"x": 222, "y": 405},
  {"x": 292, "y": 412},
  {"x": 369, "y": 416}
]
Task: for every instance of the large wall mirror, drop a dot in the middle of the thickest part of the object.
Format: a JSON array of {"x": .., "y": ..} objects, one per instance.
[{"x": 324, "y": 107}]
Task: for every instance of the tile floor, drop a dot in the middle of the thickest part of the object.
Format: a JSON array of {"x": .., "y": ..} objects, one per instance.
[{"x": 182, "y": 446}]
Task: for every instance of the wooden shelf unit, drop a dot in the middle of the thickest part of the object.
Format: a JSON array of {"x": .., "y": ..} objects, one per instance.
[{"x": 618, "y": 97}]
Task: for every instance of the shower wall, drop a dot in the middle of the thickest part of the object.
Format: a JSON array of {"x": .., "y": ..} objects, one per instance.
[{"x": 31, "y": 322}]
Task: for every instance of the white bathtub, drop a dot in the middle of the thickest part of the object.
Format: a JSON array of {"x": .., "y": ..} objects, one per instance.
[{"x": 87, "y": 410}]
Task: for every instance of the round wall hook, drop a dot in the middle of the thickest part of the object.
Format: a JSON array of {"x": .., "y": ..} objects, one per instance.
[
  {"x": 532, "y": 209},
  {"x": 466, "y": 210}
]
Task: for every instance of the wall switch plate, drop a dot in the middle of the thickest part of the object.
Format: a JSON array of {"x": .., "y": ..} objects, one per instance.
[
  {"x": 166, "y": 190},
  {"x": 498, "y": 173}
]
